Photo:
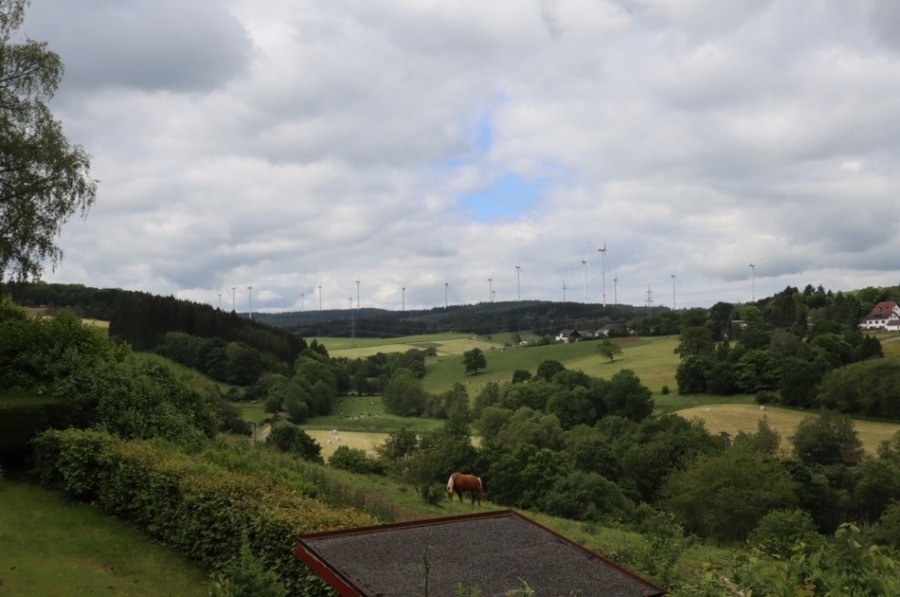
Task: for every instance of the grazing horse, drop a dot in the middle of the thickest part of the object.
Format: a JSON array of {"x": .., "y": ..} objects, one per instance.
[{"x": 459, "y": 483}]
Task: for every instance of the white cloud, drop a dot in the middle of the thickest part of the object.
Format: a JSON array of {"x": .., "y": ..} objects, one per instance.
[{"x": 288, "y": 144}]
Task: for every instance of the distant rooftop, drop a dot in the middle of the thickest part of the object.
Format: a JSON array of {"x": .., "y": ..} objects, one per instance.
[{"x": 493, "y": 551}]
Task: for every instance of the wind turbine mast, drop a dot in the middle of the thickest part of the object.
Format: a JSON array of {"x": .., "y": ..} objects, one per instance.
[
  {"x": 446, "y": 294},
  {"x": 674, "y": 303},
  {"x": 357, "y": 294},
  {"x": 320, "y": 296},
  {"x": 564, "y": 289},
  {"x": 250, "y": 302},
  {"x": 753, "y": 281},
  {"x": 518, "y": 285},
  {"x": 584, "y": 277},
  {"x": 602, "y": 251}
]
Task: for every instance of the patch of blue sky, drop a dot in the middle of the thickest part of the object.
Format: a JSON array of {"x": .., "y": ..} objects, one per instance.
[
  {"x": 483, "y": 133},
  {"x": 509, "y": 197}
]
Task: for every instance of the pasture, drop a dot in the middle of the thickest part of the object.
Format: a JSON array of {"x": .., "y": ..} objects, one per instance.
[
  {"x": 734, "y": 418},
  {"x": 55, "y": 547},
  {"x": 652, "y": 359}
]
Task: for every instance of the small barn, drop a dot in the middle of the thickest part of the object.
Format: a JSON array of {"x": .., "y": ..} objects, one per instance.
[{"x": 493, "y": 552}]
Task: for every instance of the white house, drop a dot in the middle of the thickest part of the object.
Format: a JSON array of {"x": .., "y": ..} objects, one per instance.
[{"x": 885, "y": 316}]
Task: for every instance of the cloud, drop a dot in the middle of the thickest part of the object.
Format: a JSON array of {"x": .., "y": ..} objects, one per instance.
[{"x": 429, "y": 146}]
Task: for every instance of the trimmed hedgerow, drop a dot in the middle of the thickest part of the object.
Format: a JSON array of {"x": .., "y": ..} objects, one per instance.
[{"x": 197, "y": 506}]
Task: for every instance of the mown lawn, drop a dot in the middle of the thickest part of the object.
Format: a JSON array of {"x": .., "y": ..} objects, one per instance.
[{"x": 49, "y": 546}]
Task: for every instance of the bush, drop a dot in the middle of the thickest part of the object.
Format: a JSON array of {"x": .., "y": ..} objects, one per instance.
[
  {"x": 292, "y": 439},
  {"x": 356, "y": 461},
  {"x": 766, "y": 397},
  {"x": 183, "y": 501},
  {"x": 779, "y": 530}
]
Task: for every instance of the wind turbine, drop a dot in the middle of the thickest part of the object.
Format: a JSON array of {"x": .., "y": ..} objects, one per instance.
[
  {"x": 302, "y": 295},
  {"x": 232, "y": 299},
  {"x": 491, "y": 289},
  {"x": 320, "y": 296},
  {"x": 564, "y": 289},
  {"x": 446, "y": 293},
  {"x": 616, "y": 290},
  {"x": 602, "y": 251},
  {"x": 753, "y": 280},
  {"x": 250, "y": 302},
  {"x": 674, "y": 303},
  {"x": 403, "y": 299},
  {"x": 584, "y": 268},
  {"x": 357, "y": 294},
  {"x": 518, "y": 285}
]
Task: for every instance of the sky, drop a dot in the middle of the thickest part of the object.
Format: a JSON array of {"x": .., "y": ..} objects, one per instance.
[{"x": 406, "y": 154}]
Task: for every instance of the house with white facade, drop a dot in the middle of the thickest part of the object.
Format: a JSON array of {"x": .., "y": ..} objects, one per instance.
[{"x": 884, "y": 316}]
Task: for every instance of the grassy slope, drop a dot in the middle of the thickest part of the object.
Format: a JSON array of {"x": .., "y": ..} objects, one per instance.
[{"x": 54, "y": 547}]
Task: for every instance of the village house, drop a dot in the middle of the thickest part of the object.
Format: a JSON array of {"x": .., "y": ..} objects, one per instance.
[{"x": 884, "y": 316}]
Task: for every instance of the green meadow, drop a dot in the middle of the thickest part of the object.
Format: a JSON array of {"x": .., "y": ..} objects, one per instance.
[
  {"x": 652, "y": 359},
  {"x": 82, "y": 551}
]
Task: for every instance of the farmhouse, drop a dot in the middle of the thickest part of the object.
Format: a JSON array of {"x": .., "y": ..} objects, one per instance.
[{"x": 884, "y": 316}]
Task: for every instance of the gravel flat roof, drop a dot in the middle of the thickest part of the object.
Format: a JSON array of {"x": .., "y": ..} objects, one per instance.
[{"x": 494, "y": 552}]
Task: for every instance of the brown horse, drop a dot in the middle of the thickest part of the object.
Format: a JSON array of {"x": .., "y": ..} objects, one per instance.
[{"x": 459, "y": 483}]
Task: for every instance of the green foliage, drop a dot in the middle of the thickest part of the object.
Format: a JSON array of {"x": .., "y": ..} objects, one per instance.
[
  {"x": 844, "y": 566},
  {"x": 547, "y": 369},
  {"x": 780, "y": 530},
  {"x": 724, "y": 496},
  {"x": 45, "y": 179},
  {"x": 868, "y": 388},
  {"x": 887, "y": 530},
  {"x": 190, "y": 503},
  {"x": 245, "y": 576},
  {"x": 403, "y": 395},
  {"x": 356, "y": 461},
  {"x": 291, "y": 439},
  {"x": 827, "y": 439},
  {"x": 581, "y": 495},
  {"x": 474, "y": 360},
  {"x": 692, "y": 374},
  {"x": 609, "y": 349}
]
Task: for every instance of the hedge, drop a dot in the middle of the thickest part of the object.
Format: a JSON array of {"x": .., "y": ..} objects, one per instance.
[
  {"x": 24, "y": 415},
  {"x": 198, "y": 507}
]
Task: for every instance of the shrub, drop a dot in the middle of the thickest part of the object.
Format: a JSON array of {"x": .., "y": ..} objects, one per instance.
[
  {"x": 356, "y": 461},
  {"x": 186, "y": 502},
  {"x": 290, "y": 438},
  {"x": 766, "y": 397},
  {"x": 779, "y": 530}
]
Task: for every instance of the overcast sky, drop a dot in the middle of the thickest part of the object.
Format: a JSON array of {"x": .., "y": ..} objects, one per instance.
[{"x": 290, "y": 145}]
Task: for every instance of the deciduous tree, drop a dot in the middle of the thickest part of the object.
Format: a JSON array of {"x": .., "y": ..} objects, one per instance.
[
  {"x": 474, "y": 360},
  {"x": 44, "y": 179}
]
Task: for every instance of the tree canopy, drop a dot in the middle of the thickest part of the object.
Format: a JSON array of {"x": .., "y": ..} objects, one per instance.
[{"x": 44, "y": 179}]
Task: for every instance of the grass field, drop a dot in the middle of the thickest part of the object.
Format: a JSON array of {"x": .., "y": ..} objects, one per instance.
[
  {"x": 81, "y": 551},
  {"x": 652, "y": 359},
  {"x": 734, "y": 418}
]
